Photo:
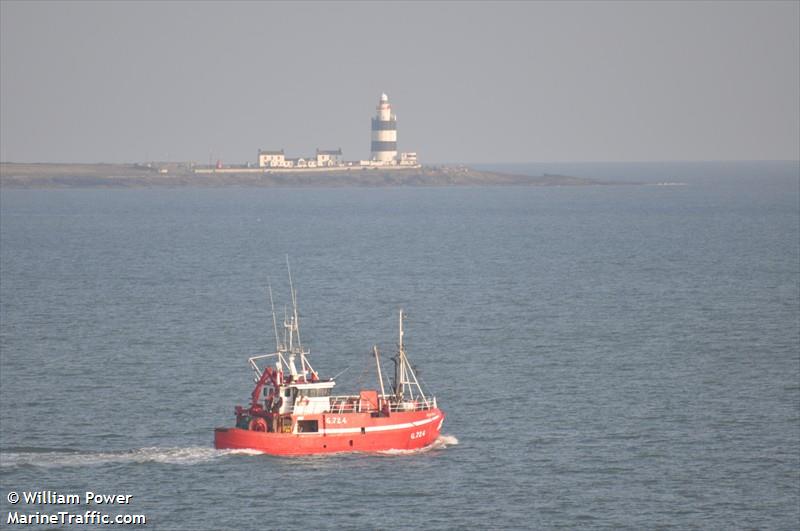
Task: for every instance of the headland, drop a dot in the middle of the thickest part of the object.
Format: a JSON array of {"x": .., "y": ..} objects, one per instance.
[{"x": 174, "y": 175}]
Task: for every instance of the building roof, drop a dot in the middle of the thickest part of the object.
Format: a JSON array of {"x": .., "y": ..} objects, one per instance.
[
  {"x": 329, "y": 151},
  {"x": 270, "y": 151}
]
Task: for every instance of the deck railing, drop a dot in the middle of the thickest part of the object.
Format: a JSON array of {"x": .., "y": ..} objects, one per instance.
[{"x": 356, "y": 404}]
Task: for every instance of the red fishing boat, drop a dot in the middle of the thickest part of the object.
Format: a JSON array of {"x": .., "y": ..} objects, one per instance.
[{"x": 293, "y": 411}]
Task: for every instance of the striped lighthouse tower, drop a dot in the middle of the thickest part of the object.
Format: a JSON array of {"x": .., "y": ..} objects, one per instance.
[{"x": 384, "y": 132}]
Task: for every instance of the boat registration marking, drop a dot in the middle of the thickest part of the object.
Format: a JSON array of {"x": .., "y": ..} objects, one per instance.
[{"x": 403, "y": 426}]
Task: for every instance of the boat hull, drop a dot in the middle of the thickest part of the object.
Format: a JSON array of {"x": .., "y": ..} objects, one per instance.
[{"x": 342, "y": 433}]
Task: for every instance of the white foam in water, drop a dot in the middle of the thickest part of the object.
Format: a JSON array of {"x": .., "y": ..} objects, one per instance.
[
  {"x": 176, "y": 456},
  {"x": 242, "y": 451},
  {"x": 441, "y": 442},
  {"x": 181, "y": 456},
  {"x": 446, "y": 440}
]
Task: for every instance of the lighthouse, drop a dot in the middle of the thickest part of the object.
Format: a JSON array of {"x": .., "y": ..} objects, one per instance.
[{"x": 384, "y": 133}]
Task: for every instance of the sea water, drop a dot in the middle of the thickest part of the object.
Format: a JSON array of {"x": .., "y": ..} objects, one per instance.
[{"x": 615, "y": 356}]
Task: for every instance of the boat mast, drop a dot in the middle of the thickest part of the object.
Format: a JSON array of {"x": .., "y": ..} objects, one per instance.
[
  {"x": 400, "y": 328},
  {"x": 378, "y": 363},
  {"x": 398, "y": 360},
  {"x": 401, "y": 376},
  {"x": 274, "y": 321},
  {"x": 293, "y": 326},
  {"x": 294, "y": 304},
  {"x": 404, "y": 371}
]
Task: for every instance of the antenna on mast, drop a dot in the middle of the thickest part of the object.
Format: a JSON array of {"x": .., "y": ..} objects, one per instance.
[
  {"x": 401, "y": 330},
  {"x": 294, "y": 332},
  {"x": 294, "y": 305},
  {"x": 274, "y": 322},
  {"x": 285, "y": 327}
]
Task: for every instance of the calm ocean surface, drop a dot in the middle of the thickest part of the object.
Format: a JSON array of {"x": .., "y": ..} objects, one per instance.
[{"x": 610, "y": 357}]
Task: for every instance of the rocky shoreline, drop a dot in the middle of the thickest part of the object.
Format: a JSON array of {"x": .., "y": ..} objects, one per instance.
[{"x": 47, "y": 175}]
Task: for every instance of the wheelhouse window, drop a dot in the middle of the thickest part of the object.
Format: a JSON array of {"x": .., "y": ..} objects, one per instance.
[
  {"x": 314, "y": 392},
  {"x": 307, "y": 426}
]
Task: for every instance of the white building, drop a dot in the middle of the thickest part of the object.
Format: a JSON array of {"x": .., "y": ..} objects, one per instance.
[
  {"x": 271, "y": 159},
  {"x": 408, "y": 159},
  {"x": 302, "y": 162},
  {"x": 331, "y": 157}
]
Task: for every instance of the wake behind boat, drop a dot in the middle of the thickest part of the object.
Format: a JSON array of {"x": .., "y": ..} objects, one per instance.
[{"x": 293, "y": 411}]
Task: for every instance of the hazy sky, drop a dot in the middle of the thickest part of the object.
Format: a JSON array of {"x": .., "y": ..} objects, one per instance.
[{"x": 470, "y": 82}]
